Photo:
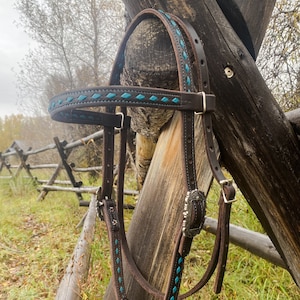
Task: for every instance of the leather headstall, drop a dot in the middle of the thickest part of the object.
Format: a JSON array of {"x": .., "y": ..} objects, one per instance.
[{"x": 193, "y": 97}]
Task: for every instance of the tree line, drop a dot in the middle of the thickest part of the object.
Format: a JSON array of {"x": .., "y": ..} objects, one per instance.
[{"x": 76, "y": 42}]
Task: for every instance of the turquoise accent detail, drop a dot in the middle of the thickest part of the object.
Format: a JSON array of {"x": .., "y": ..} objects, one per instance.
[
  {"x": 188, "y": 80},
  {"x": 121, "y": 289},
  {"x": 120, "y": 279},
  {"x": 153, "y": 98},
  {"x": 181, "y": 42},
  {"x": 70, "y": 99},
  {"x": 116, "y": 242},
  {"x": 176, "y": 280},
  {"x": 117, "y": 251},
  {"x": 185, "y": 55},
  {"x": 82, "y": 98},
  {"x": 167, "y": 15},
  {"x": 172, "y": 298},
  {"x": 174, "y": 290},
  {"x": 180, "y": 260},
  {"x": 118, "y": 260},
  {"x": 173, "y": 23},
  {"x": 140, "y": 97},
  {"x": 178, "y": 32},
  {"x": 60, "y": 102},
  {"x": 126, "y": 96},
  {"x": 119, "y": 270},
  {"x": 178, "y": 270},
  {"x": 111, "y": 95},
  {"x": 175, "y": 100},
  {"x": 96, "y": 96},
  {"x": 187, "y": 68},
  {"x": 165, "y": 99}
]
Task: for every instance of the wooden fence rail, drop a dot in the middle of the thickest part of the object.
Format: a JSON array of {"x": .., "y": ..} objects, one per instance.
[
  {"x": 77, "y": 269},
  {"x": 20, "y": 153}
]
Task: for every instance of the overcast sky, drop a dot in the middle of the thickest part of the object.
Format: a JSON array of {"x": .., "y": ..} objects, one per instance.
[{"x": 14, "y": 44}]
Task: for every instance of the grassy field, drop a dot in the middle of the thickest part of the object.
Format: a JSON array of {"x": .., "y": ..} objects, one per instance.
[{"x": 38, "y": 238}]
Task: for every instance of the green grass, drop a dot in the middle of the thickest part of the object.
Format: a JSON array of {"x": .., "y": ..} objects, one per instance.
[{"x": 38, "y": 238}]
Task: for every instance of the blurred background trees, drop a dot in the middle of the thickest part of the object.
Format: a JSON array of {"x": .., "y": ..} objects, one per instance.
[
  {"x": 76, "y": 42},
  {"x": 75, "y": 45},
  {"x": 279, "y": 58}
]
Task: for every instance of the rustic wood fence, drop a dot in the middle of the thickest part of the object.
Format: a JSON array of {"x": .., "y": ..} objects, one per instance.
[{"x": 14, "y": 162}]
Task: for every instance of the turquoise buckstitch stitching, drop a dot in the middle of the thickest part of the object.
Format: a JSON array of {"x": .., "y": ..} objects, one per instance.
[
  {"x": 181, "y": 42},
  {"x": 118, "y": 91},
  {"x": 153, "y": 98},
  {"x": 181, "y": 103},
  {"x": 123, "y": 101},
  {"x": 87, "y": 100}
]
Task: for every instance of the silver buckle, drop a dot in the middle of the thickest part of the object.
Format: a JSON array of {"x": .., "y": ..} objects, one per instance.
[
  {"x": 223, "y": 183},
  {"x": 204, "y": 104},
  {"x": 122, "y": 120}
]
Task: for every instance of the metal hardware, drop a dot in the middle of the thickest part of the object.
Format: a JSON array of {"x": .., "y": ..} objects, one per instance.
[
  {"x": 99, "y": 205},
  {"x": 204, "y": 104},
  {"x": 112, "y": 213},
  {"x": 193, "y": 213},
  {"x": 229, "y": 72},
  {"x": 122, "y": 120},
  {"x": 223, "y": 183}
]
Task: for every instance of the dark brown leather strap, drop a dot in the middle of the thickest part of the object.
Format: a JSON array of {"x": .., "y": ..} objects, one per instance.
[
  {"x": 66, "y": 107},
  {"x": 219, "y": 253},
  {"x": 227, "y": 194},
  {"x": 113, "y": 225}
]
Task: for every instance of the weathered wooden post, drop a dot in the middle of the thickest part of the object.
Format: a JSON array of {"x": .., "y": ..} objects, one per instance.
[{"x": 258, "y": 147}]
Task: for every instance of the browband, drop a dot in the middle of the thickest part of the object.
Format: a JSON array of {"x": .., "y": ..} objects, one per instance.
[{"x": 65, "y": 107}]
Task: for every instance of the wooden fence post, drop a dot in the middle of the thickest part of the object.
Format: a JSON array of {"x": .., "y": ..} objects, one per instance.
[{"x": 258, "y": 146}]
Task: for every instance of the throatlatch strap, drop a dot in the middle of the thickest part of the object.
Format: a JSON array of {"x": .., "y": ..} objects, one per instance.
[{"x": 194, "y": 97}]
